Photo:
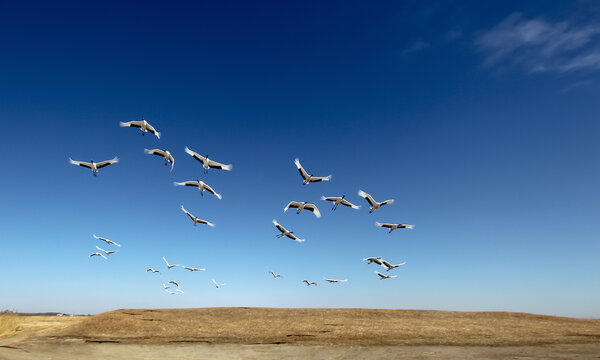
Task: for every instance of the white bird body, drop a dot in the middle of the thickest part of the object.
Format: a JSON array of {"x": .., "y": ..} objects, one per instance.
[
  {"x": 195, "y": 219},
  {"x": 200, "y": 185},
  {"x": 192, "y": 268},
  {"x": 153, "y": 271},
  {"x": 275, "y": 275},
  {"x": 336, "y": 200},
  {"x": 94, "y": 166},
  {"x": 309, "y": 178},
  {"x": 303, "y": 205},
  {"x": 383, "y": 276},
  {"x": 374, "y": 204},
  {"x": 143, "y": 125},
  {"x": 309, "y": 283},
  {"x": 97, "y": 254},
  {"x": 393, "y": 227},
  {"x": 106, "y": 240},
  {"x": 334, "y": 280},
  {"x": 107, "y": 252},
  {"x": 217, "y": 285},
  {"x": 206, "y": 162},
  {"x": 169, "y": 266},
  {"x": 163, "y": 153},
  {"x": 285, "y": 232}
]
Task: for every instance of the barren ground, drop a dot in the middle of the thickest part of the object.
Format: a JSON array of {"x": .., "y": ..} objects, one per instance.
[{"x": 253, "y": 333}]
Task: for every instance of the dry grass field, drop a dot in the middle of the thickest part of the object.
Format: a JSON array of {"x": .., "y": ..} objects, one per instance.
[
  {"x": 262, "y": 333},
  {"x": 331, "y": 327}
]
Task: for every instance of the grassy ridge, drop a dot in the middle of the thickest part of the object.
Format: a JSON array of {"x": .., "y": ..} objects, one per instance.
[{"x": 9, "y": 321}]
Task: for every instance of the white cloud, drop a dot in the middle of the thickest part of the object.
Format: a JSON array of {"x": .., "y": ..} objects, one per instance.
[{"x": 542, "y": 46}]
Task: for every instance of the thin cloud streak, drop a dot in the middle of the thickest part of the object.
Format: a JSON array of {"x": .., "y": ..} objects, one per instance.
[{"x": 541, "y": 46}]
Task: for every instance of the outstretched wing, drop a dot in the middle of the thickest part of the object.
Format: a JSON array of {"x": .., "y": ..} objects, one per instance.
[
  {"x": 217, "y": 165},
  {"x": 390, "y": 201},
  {"x": 384, "y": 225},
  {"x": 188, "y": 213},
  {"x": 292, "y": 204},
  {"x": 367, "y": 197},
  {"x": 279, "y": 227},
  {"x": 186, "y": 183},
  {"x": 313, "y": 208},
  {"x": 157, "y": 152},
  {"x": 107, "y": 162},
  {"x": 151, "y": 129},
  {"x": 210, "y": 190},
  {"x": 380, "y": 275},
  {"x": 303, "y": 172},
  {"x": 195, "y": 155},
  {"x": 348, "y": 203},
  {"x": 137, "y": 124},
  {"x": 330, "y": 198},
  {"x": 320, "y": 178},
  {"x": 80, "y": 163},
  {"x": 206, "y": 222}
]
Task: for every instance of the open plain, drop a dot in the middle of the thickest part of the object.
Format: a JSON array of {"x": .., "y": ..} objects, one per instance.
[{"x": 248, "y": 333}]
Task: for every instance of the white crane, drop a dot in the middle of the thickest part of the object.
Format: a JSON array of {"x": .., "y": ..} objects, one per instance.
[
  {"x": 393, "y": 227},
  {"x": 309, "y": 283},
  {"x": 195, "y": 219},
  {"x": 339, "y": 200},
  {"x": 309, "y": 178},
  {"x": 200, "y": 185},
  {"x": 169, "y": 266},
  {"x": 143, "y": 125},
  {"x": 94, "y": 166},
  {"x": 97, "y": 254},
  {"x": 174, "y": 283},
  {"x": 153, "y": 271},
  {"x": 390, "y": 266},
  {"x": 334, "y": 280},
  {"x": 206, "y": 162},
  {"x": 107, "y": 252},
  {"x": 303, "y": 205},
  {"x": 383, "y": 276},
  {"x": 285, "y": 232},
  {"x": 374, "y": 204},
  {"x": 275, "y": 275},
  {"x": 217, "y": 284},
  {"x": 163, "y": 153},
  {"x": 106, "y": 240},
  {"x": 192, "y": 269}
]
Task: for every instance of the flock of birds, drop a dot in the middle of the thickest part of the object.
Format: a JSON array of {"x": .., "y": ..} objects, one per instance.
[{"x": 207, "y": 164}]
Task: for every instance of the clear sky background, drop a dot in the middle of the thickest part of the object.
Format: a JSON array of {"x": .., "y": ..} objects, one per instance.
[{"x": 479, "y": 119}]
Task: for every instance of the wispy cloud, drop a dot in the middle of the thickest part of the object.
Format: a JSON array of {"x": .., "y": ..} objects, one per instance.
[
  {"x": 416, "y": 46},
  {"x": 542, "y": 46}
]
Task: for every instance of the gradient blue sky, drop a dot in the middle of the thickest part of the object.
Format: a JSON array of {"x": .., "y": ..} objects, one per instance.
[{"x": 479, "y": 119}]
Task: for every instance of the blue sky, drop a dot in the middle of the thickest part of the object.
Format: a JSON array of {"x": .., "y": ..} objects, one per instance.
[{"x": 480, "y": 120}]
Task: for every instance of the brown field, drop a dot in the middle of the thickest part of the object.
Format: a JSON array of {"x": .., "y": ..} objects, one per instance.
[{"x": 325, "y": 333}]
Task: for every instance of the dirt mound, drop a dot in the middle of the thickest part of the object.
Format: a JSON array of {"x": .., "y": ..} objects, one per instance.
[{"x": 331, "y": 327}]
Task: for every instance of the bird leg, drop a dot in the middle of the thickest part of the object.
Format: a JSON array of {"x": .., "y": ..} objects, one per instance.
[
  {"x": 298, "y": 212},
  {"x": 95, "y": 174},
  {"x": 370, "y": 211}
]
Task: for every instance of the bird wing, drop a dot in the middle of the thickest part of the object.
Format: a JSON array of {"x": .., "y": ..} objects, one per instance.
[
  {"x": 292, "y": 204},
  {"x": 157, "y": 152},
  {"x": 367, "y": 197},
  {"x": 306, "y": 281},
  {"x": 330, "y": 198},
  {"x": 294, "y": 237},
  {"x": 166, "y": 262},
  {"x": 279, "y": 227},
  {"x": 210, "y": 190},
  {"x": 206, "y": 222},
  {"x": 303, "y": 172},
  {"x": 188, "y": 213},
  {"x": 107, "y": 162},
  {"x": 216, "y": 165},
  {"x": 380, "y": 274},
  {"x": 406, "y": 226},
  {"x": 137, "y": 124},
  {"x": 384, "y": 225},
  {"x": 390, "y": 201},
  {"x": 217, "y": 284},
  {"x": 313, "y": 208},
  {"x": 186, "y": 183},
  {"x": 80, "y": 163},
  {"x": 104, "y": 251},
  {"x": 152, "y": 130},
  {"x": 348, "y": 203},
  {"x": 320, "y": 178},
  {"x": 195, "y": 155}
]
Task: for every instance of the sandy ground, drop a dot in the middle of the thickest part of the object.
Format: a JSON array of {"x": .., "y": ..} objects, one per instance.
[{"x": 116, "y": 335}]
